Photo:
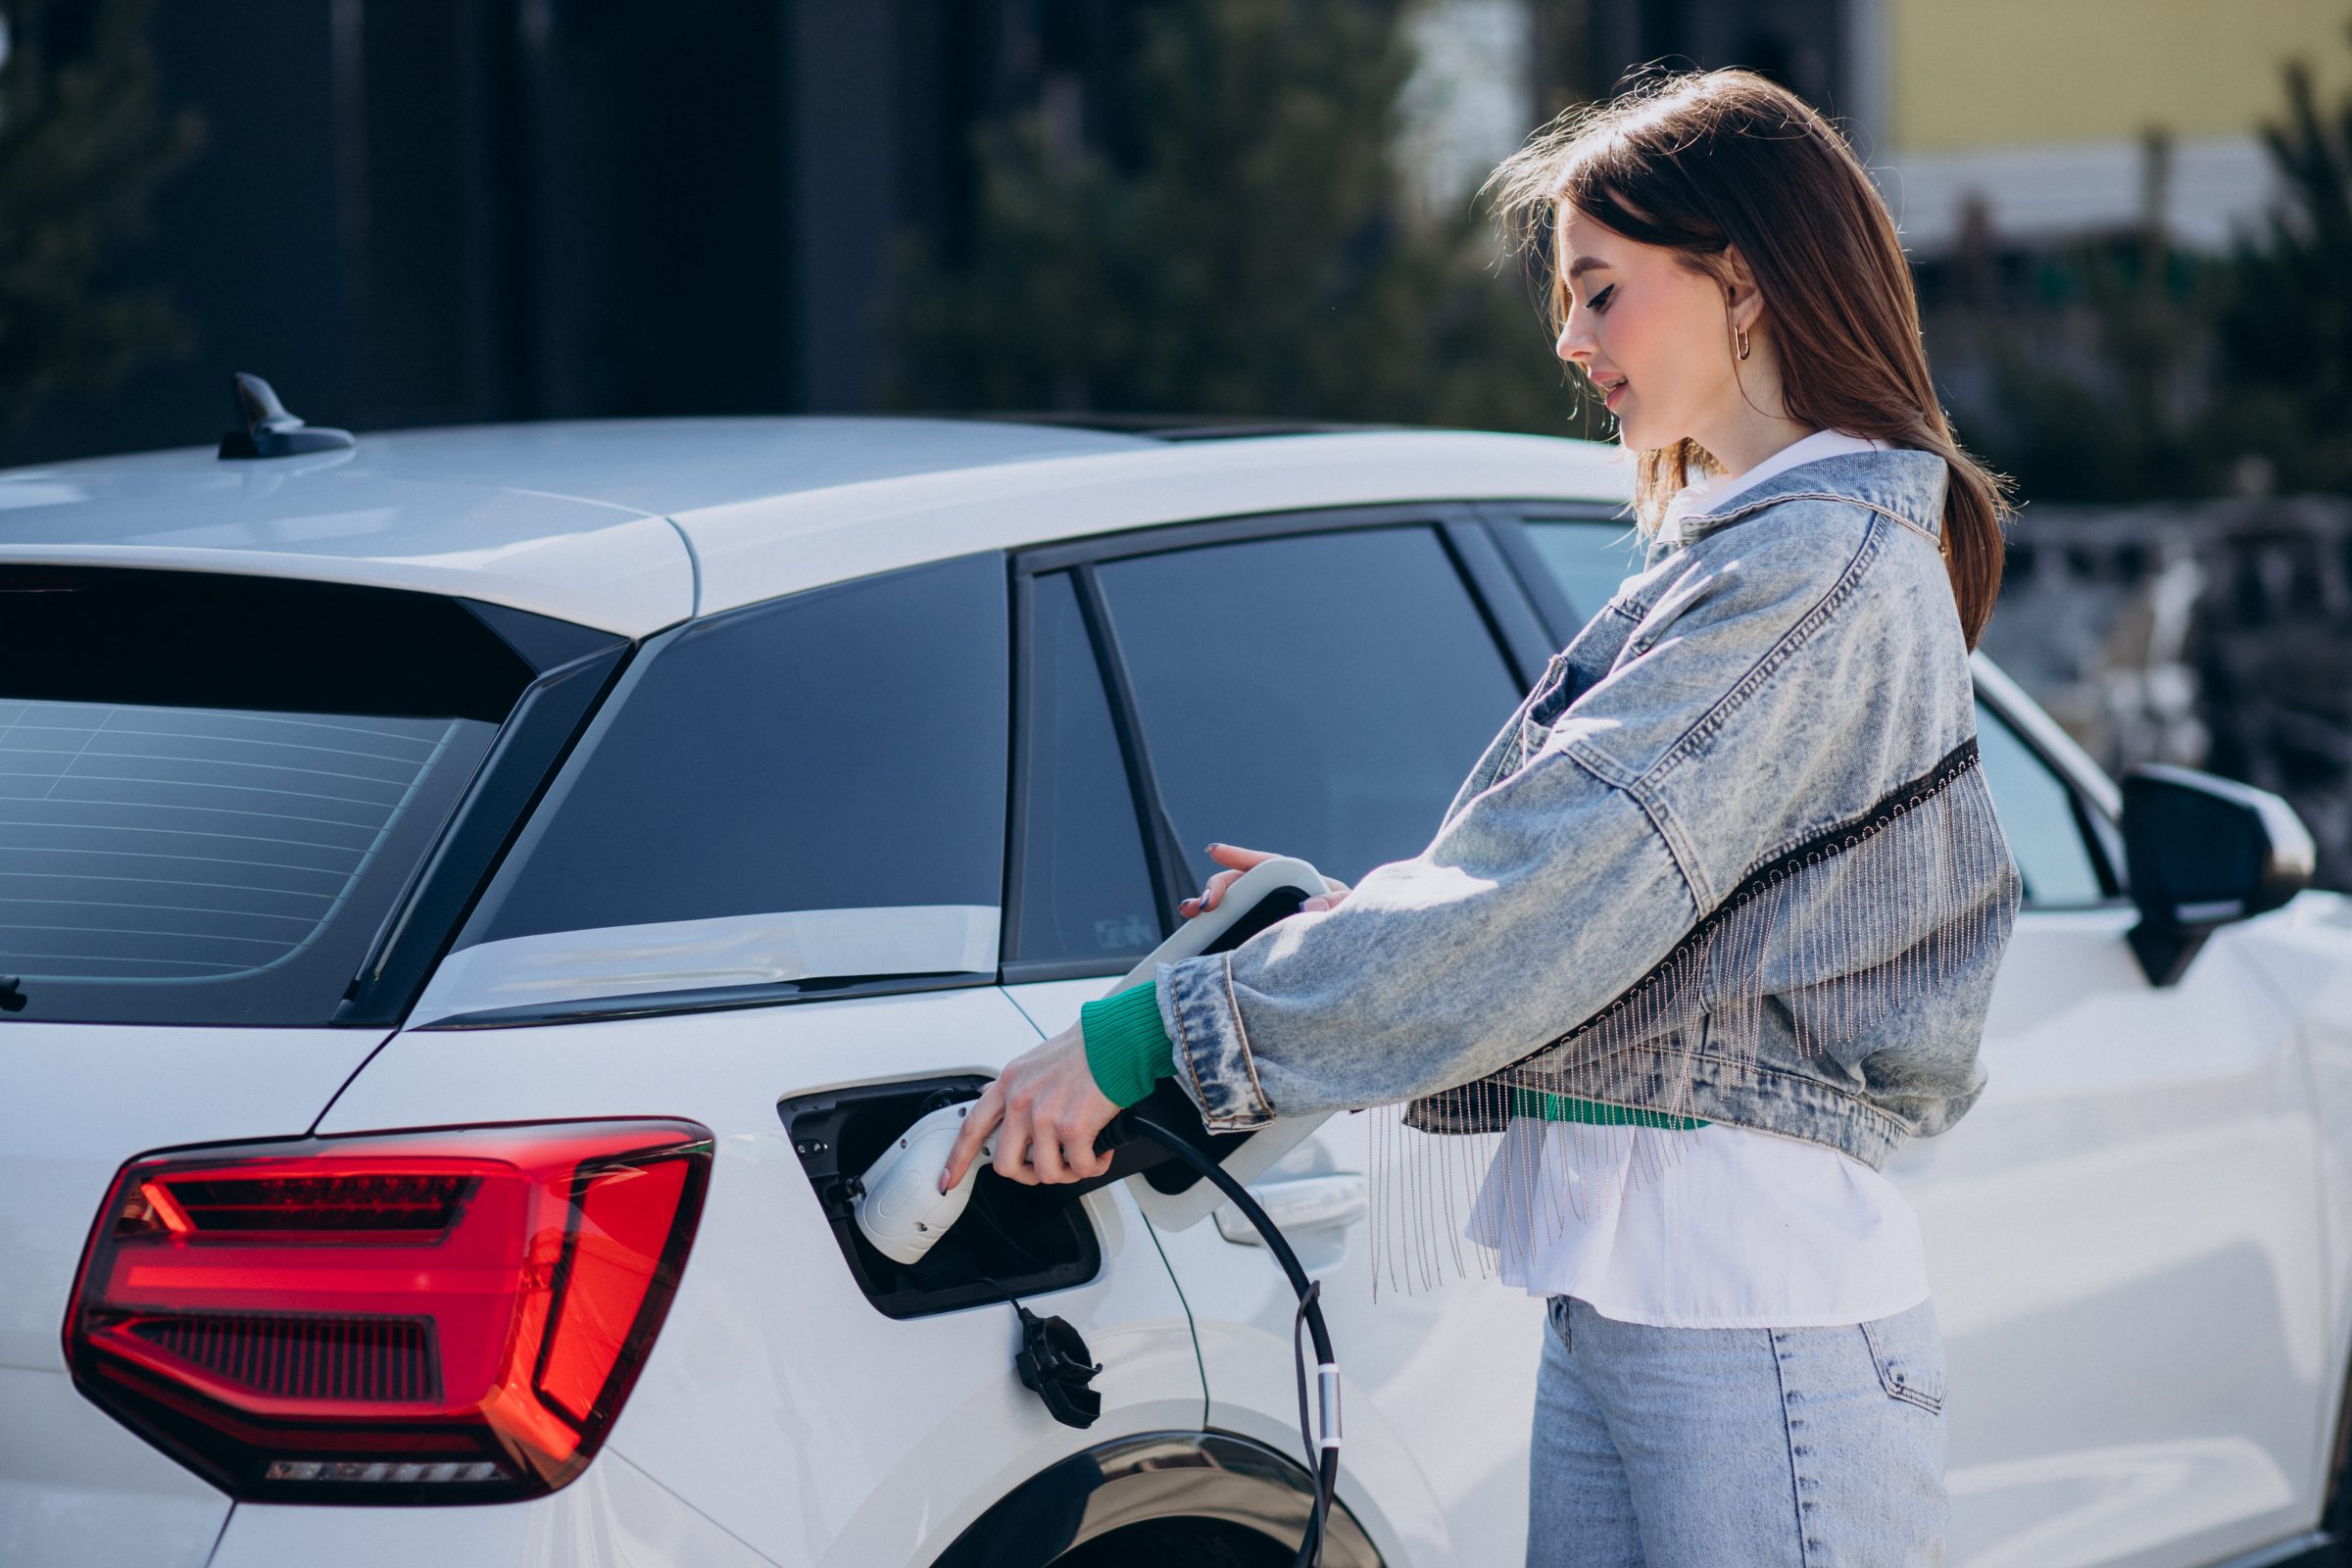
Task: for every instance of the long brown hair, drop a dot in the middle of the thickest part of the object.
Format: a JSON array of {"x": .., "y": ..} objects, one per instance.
[{"x": 1694, "y": 162}]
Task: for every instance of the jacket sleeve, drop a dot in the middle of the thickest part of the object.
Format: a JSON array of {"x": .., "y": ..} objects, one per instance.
[{"x": 1540, "y": 900}]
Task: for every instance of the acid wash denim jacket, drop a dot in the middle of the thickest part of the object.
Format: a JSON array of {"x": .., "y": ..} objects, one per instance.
[{"x": 1732, "y": 859}]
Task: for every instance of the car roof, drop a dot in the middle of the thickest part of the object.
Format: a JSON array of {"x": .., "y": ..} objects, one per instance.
[{"x": 633, "y": 524}]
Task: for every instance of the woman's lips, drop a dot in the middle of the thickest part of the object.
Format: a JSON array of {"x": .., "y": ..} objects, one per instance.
[{"x": 1609, "y": 401}]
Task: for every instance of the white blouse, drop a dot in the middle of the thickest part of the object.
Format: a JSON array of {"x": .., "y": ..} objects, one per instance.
[{"x": 1730, "y": 1227}]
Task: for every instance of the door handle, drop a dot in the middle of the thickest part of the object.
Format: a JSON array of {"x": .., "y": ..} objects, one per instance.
[{"x": 1301, "y": 1203}]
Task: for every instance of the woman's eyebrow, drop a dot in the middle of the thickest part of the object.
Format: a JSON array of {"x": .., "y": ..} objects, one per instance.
[{"x": 1585, "y": 263}]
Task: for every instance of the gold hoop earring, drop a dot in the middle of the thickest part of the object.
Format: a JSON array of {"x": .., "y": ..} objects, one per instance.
[{"x": 1741, "y": 334}]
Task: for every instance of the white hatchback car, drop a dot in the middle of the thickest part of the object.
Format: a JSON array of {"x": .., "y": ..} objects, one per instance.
[{"x": 470, "y": 899}]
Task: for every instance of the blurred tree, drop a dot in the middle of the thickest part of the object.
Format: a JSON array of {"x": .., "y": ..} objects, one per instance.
[
  {"x": 82, "y": 144},
  {"x": 2286, "y": 320},
  {"x": 1251, "y": 256},
  {"x": 2144, "y": 371},
  {"x": 2102, "y": 389}
]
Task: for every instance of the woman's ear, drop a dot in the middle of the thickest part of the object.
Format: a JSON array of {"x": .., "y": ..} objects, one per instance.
[{"x": 1740, "y": 300}]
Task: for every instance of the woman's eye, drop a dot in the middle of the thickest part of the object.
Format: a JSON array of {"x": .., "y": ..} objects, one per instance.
[{"x": 1600, "y": 300}]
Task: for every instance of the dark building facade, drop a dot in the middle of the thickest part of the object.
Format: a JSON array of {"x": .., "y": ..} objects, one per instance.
[{"x": 430, "y": 212}]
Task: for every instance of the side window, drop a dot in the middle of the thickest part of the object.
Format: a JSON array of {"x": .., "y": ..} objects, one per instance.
[
  {"x": 1084, "y": 896},
  {"x": 1320, "y": 695},
  {"x": 806, "y": 789},
  {"x": 2038, "y": 817},
  {"x": 1586, "y": 559}
]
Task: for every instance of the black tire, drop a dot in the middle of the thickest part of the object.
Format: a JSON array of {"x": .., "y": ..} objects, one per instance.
[{"x": 1179, "y": 1543}]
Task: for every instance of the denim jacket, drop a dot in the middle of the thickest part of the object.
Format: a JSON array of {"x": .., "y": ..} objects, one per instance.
[{"x": 1731, "y": 858}]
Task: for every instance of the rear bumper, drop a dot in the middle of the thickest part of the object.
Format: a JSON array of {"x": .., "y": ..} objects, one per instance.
[
  {"x": 78, "y": 1488},
  {"x": 614, "y": 1515}
]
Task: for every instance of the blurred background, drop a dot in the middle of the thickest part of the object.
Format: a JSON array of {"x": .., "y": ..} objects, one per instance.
[{"x": 2131, "y": 223}]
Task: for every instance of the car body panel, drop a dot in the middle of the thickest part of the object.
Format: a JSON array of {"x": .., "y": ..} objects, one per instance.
[
  {"x": 758, "y": 549},
  {"x": 666, "y": 467},
  {"x": 338, "y": 518},
  {"x": 2302, "y": 954},
  {"x": 2124, "y": 1244},
  {"x": 613, "y": 1516},
  {"x": 77, "y": 1487},
  {"x": 777, "y": 1400},
  {"x": 565, "y": 518},
  {"x": 80, "y": 1099}
]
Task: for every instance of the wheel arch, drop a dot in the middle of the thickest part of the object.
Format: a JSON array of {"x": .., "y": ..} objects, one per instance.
[{"x": 1154, "y": 1476}]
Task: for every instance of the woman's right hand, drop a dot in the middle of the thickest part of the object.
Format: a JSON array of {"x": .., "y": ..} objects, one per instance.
[{"x": 1238, "y": 860}]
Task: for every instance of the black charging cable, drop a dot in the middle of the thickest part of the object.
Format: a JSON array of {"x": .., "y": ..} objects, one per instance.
[{"x": 1322, "y": 1460}]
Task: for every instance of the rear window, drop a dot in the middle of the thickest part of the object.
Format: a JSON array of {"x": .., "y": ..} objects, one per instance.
[{"x": 213, "y": 788}]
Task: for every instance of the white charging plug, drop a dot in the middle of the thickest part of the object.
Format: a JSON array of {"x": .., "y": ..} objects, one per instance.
[{"x": 901, "y": 1209}]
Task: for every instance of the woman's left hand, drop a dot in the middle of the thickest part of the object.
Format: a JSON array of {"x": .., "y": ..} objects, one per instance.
[{"x": 1051, "y": 1112}]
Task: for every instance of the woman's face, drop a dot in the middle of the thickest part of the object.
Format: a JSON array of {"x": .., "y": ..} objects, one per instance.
[{"x": 1650, "y": 332}]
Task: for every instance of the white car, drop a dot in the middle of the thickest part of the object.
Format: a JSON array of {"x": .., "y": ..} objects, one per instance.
[{"x": 474, "y": 896}]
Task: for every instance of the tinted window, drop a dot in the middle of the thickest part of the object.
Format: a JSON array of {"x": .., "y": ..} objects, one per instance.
[
  {"x": 212, "y": 789},
  {"x": 1320, "y": 696},
  {"x": 1085, "y": 888},
  {"x": 839, "y": 753},
  {"x": 1587, "y": 560},
  {"x": 2038, "y": 816}
]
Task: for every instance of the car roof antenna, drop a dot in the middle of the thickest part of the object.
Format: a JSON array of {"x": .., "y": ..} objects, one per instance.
[{"x": 270, "y": 432}]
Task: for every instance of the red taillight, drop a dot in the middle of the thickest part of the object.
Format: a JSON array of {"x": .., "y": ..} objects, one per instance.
[{"x": 401, "y": 1317}]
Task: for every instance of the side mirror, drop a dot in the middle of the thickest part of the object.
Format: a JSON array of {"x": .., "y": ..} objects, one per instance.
[{"x": 2202, "y": 851}]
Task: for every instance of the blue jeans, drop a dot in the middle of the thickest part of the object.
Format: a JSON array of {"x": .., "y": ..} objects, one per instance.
[{"x": 1667, "y": 1447}]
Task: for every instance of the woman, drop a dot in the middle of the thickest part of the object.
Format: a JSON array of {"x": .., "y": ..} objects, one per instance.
[{"x": 1711, "y": 928}]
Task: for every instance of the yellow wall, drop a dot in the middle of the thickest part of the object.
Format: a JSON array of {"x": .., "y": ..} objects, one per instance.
[{"x": 1983, "y": 73}]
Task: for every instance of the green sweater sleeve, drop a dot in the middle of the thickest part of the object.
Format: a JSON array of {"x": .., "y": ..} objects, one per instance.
[{"x": 1127, "y": 1049}]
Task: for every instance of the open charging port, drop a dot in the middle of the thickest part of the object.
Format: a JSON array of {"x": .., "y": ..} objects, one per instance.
[{"x": 1025, "y": 1238}]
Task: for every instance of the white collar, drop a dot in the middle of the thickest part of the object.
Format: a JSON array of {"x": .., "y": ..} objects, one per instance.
[{"x": 1704, "y": 495}]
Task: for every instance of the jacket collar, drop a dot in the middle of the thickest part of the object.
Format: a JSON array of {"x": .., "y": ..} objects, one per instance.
[{"x": 1902, "y": 482}]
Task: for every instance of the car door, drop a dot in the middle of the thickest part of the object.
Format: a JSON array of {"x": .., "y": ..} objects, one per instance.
[
  {"x": 762, "y": 895},
  {"x": 2123, "y": 1233},
  {"x": 1315, "y": 686}
]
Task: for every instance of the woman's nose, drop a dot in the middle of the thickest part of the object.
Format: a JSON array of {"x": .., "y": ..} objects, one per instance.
[{"x": 1575, "y": 344}]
